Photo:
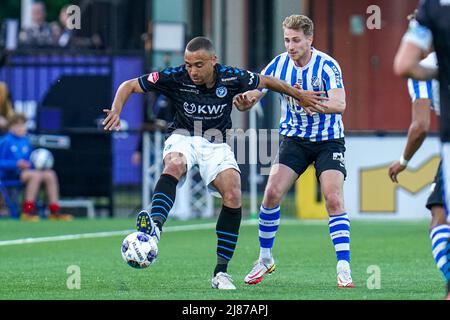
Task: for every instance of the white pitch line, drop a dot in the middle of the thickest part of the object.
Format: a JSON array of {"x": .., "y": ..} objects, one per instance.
[{"x": 106, "y": 234}]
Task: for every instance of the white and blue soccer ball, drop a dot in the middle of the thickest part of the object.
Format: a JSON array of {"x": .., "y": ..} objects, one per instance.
[
  {"x": 139, "y": 250},
  {"x": 42, "y": 159}
]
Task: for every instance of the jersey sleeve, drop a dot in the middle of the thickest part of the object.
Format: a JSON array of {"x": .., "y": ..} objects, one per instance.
[
  {"x": 423, "y": 89},
  {"x": 419, "y": 34},
  {"x": 332, "y": 75},
  {"x": 157, "y": 81},
  {"x": 248, "y": 81},
  {"x": 270, "y": 70}
]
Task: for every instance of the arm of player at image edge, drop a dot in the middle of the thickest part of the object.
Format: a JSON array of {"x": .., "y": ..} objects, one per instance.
[
  {"x": 112, "y": 120},
  {"x": 415, "y": 45},
  {"x": 417, "y": 133},
  {"x": 307, "y": 99}
]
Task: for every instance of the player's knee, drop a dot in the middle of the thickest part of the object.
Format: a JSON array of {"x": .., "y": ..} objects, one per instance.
[
  {"x": 272, "y": 196},
  {"x": 175, "y": 168},
  {"x": 34, "y": 175},
  {"x": 334, "y": 202},
  {"x": 232, "y": 198},
  {"x": 49, "y": 175},
  {"x": 438, "y": 216}
]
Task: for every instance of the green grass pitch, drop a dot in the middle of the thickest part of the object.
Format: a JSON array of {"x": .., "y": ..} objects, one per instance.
[{"x": 304, "y": 255}]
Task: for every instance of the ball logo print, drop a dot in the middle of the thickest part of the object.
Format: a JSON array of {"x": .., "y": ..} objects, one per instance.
[
  {"x": 139, "y": 250},
  {"x": 221, "y": 92}
]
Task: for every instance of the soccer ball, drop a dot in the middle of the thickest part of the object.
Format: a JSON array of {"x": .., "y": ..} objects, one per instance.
[
  {"x": 139, "y": 250},
  {"x": 41, "y": 159}
]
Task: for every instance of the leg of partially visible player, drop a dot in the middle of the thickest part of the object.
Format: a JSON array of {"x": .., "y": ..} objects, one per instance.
[
  {"x": 445, "y": 172},
  {"x": 439, "y": 235},
  {"x": 163, "y": 196},
  {"x": 281, "y": 179},
  {"x": 228, "y": 184},
  {"x": 439, "y": 227},
  {"x": 332, "y": 182}
]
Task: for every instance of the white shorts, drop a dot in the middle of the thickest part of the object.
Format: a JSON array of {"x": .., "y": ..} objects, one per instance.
[{"x": 211, "y": 158}]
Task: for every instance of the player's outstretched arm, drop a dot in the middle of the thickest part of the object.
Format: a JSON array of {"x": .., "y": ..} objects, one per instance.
[
  {"x": 112, "y": 120},
  {"x": 336, "y": 104},
  {"x": 307, "y": 99},
  {"x": 417, "y": 133},
  {"x": 245, "y": 101}
]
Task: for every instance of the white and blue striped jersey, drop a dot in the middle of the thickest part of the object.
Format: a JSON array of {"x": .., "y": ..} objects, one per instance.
[
  {"x": 322, "y": 73},
  {"x": 426, "y": 89}
]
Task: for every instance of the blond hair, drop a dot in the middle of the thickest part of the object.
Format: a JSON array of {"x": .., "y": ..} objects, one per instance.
[
  {"x": 6, "y": 108},
  {"x": 299, "y": 22}
]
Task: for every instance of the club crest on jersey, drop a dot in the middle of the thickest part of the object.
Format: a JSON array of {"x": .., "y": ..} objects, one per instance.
[
  {"x": 315, "y": 82},
  {"x": 221, "y": 92},
  {"x": 153, "y": 77}
]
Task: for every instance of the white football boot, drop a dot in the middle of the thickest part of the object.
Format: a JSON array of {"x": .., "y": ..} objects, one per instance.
[
  {"x": 222, "y": 281},
  {"x": 259, "y": 270},
  {"x": 344, "y": 277}
]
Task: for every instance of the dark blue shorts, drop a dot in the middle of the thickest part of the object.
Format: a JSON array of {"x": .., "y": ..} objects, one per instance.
[
  {"x": 436, "y": 196},
  {"x": 298, "y": 154}
]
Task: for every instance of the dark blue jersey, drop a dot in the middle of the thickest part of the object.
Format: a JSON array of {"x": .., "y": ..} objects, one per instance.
[
  {"x": 197, "y": 108},
  {"x": 435, "y": 15}
]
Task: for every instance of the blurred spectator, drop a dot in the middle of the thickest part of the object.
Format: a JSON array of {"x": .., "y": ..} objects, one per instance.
[
  {"x": 40, "y": 34},
  {"x": 15, "y": 151},
  {"x": 6, "y": 108},
  {"x": 67, "y": 37}
]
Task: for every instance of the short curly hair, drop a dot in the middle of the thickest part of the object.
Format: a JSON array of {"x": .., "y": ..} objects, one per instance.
[{"x": 299, "y": 22}]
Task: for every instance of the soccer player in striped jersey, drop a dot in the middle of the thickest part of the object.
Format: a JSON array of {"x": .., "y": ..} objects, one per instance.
[
  {"x": 307, "y": 136},
  {"x": 425, "y": 97}
]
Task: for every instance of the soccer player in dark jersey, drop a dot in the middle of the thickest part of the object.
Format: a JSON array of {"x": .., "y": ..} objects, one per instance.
[
  {"x": 202, "y": 92},
  {"x": 425, "y": 97},
  {"x": 432, "y": 28}
]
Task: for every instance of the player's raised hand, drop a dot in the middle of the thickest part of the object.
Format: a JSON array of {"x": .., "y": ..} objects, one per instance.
[
  {"x": 112, "y": 120},
  {"x": 312, "y": 101},
  {"x": 394, "y": 169},
  {"x": 243, "y": 102}
]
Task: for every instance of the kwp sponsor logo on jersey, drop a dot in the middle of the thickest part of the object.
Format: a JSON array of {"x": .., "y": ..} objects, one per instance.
[
  {"x": 153, "y": 77},
  {"x": 192, "y": 108}
]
